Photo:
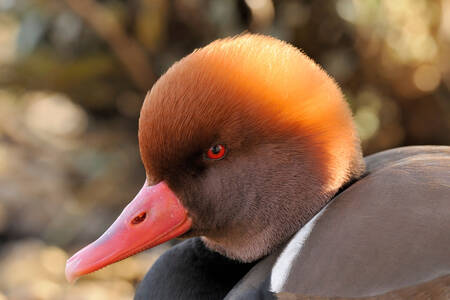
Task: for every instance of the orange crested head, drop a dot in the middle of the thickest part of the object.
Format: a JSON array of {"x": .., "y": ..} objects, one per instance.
[{"x": 285, "y": 126}]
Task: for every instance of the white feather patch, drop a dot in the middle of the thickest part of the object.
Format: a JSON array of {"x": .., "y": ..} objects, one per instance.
[{"x": 283, "y": 265}]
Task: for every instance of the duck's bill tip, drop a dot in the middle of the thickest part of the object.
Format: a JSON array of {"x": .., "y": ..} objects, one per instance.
[
  {"x": 71, "y": 274},
  {"x": 154, "y": 216}
]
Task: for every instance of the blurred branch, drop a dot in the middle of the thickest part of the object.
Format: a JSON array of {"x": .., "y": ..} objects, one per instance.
[{"x": 128, "y": 51}]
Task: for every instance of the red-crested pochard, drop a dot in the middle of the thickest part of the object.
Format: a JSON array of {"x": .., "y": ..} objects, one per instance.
[{"x": 250, "y": 149}]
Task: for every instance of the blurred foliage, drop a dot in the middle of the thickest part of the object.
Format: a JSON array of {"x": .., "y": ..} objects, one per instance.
[{"x": 74, "y": 73}]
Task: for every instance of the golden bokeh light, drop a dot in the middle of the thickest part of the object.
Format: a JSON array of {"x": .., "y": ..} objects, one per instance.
[{"x": 427, "y": 78}]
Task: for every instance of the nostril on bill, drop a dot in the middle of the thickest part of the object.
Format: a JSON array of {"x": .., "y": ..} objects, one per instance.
[{"x": 139, "y": 218}]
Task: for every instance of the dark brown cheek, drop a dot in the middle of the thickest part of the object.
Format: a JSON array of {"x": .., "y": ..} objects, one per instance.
[
  {"x": 185, "y": 176},
  {"x": 197, "y": 167},
  {"x": 186, "y": 184}
]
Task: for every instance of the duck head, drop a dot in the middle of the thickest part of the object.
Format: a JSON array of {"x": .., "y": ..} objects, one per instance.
[{"x": 243, "y": 141}]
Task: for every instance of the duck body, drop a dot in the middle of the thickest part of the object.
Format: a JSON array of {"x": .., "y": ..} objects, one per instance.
[
  {"x": 250, "y": 148},
  {"x": 386, "y": 231}
]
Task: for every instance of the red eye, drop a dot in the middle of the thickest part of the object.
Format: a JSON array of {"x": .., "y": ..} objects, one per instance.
[{"x": 216, "y": 152}]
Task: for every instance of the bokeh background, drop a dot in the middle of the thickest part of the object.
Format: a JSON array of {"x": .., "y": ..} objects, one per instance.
[{"x": 74, "y": 73}]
